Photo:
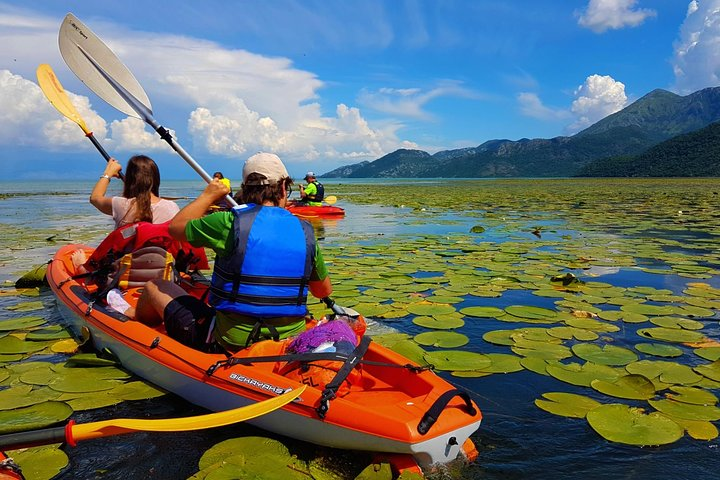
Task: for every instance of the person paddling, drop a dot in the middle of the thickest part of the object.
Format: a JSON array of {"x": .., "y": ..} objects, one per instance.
[
  {"x": 140, "y": 200},
  {"x": 267, "y": 261},
  {"x": 313, "y": 194}
]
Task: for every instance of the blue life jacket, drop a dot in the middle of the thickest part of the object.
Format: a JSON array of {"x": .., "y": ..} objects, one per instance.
[{"x": 268, "y": 271}]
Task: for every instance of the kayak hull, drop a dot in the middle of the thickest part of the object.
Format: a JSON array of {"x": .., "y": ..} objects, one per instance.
[
  {"x": 380, "y": 414},
  {"x": 323, "y": 211}
]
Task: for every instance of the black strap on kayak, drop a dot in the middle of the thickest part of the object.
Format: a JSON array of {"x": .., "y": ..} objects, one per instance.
[
  {"x": 305, "y": 358},
  {"x": 431, "y": 416},
  {"x": 331, "y": 388}
]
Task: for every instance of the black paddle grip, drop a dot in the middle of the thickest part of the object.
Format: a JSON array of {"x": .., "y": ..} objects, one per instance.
[{"x": 32, "y": 438}]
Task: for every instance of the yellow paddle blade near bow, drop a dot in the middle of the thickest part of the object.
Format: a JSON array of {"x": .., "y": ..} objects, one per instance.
[
  {"x": 55, "y": 93},
  {"x": 330, "y": 200},
  {"x": 120, "y": 426}
]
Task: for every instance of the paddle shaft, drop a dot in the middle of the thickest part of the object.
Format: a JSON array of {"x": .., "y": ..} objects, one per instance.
[
  {"x": 147, "y": 116},
  {"x": 33, "y": 438},
  {"x": 102, "y": 151}
]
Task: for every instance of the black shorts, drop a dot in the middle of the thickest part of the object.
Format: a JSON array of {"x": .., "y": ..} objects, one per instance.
[{"x": 187, "y": 320}]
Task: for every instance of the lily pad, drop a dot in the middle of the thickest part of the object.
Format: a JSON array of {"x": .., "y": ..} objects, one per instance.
[
  {"x": 456, "y": 360},
  {"x": 605, "y": 355},
  {"x": 581, "y": 375},
  {"x": 687, "y": 411},
  {"x": 693, "y": 395},
  {"x": 670, "y": 334},
  {"x": 40, "y": 463},
  {"x": 482, "y": 312},
  {"x": 623, "y": 424},
  {"x": 530, "y": 312},
  {"x": 659, "y": 350},
  {"x": 36, "y": 416},
  {"x": 633, "y": 387},
  {"x": 441, "y": 339},
  {"x": 567, "y": 404},
  {"x": 21, "y": 323},
  {"x": 438, "y": 324}
]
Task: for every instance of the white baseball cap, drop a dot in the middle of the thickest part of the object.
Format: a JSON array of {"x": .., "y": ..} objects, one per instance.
[{"x": 268, "y": 165}]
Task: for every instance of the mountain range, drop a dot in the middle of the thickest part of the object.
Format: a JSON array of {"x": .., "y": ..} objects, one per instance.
[{"x": 653, "y": 119}]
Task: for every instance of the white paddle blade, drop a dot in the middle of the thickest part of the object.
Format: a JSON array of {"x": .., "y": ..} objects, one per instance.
[{"x": 77, "y": 42}]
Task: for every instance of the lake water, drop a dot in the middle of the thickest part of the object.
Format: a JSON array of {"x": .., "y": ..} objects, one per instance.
[{"x": 662, "y": 234}]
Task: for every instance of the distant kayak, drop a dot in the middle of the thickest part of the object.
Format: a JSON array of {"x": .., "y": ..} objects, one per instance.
[{"x": 322, "y": 211}]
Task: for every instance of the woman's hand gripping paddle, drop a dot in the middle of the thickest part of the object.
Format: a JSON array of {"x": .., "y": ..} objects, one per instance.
[
  {"x": 55, "y": 93},
  {"x": 73, "y": 433},
  {"x": 103, "y": 72}
]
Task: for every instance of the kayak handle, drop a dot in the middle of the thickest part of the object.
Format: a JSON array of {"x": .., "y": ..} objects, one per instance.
[{"x": 431, "y": 416}]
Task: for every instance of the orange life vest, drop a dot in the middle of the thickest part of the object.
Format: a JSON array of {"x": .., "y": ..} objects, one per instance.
[{"x": 134, "y": 254}]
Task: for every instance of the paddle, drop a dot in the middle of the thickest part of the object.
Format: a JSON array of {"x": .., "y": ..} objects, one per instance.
[
  {"x": 55, "y": 93},
  {"x": 73, "y": 433},
  {"x": 103, "y": 72},
  {"x": 330, "y": 200}
]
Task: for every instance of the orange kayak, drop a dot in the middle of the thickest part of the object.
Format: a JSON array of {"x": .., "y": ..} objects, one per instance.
[
  {"x": 8, "y": 469},
  {"x": 385, "y": 404},
  {"x": 323, "y": 211}
]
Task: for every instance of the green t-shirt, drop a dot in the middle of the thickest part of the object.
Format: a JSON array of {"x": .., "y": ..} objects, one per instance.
[
  {"x": 311, "y": 189},
  {"x": 215, "y": 231}
]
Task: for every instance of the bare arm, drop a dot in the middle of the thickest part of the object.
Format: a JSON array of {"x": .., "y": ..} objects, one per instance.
[
  {"x": 214, "y": 191},
  {"x": 321, "y": 288},
  {"x": 97, "y": 197}
]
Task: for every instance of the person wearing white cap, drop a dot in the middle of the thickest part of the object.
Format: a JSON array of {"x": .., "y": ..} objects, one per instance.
[
  {"x": 314, "y": 193},
  {"x": 267, "y": 261}
]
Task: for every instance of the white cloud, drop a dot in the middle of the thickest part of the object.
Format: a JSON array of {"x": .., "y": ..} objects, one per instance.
[
  {"x": 410, "y": 102},
  {"x": 235, "y": 101},
  {"x": 597, "y": 98},
  {"x": 696, "y": 60},
  {"x": 532, "y": 106},
  {"x": 131, "y": 135},
  {"x": 602, "y": 15}
]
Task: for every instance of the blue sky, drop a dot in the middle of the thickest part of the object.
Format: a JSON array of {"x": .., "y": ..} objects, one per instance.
[{"x": 325, "y": 84}]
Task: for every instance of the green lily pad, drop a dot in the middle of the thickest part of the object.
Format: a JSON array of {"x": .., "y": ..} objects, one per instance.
[
  {"x": 677, "y": 322},
  {"x": 659, "y": 349},
  {"x": 605, "y": 355},
  {"x": 482, "y": 312},
  {"x": 456, "y": 360},
  {"x": 27, "y": 306},
  {"x": 502, "y": 363},
  {"x": 711, "y": 371},
  {"x": 442, "y": 339},
  {"x": 13, "y": 345},
  {"x": 581, "y": 375},
  {"x": 40, "y": 463},
  {"x": 529, "y": 312},
  {"x": 665, "y": 371},
  {"x": 430, "y": 309},
  {"x": 697, "y": 429},
  {"x": 708, "y": 353},
  {"x": 590, "y": 324},
  {"x": 675, "y": 335},
  {"x": 410, "y": 350},
  {"x": 693, "y": 395},
  {"x": 36, "y": 416},
  {"x": 438, "y": 324},
  {"x": 623, "y": 424},
  {"x": 20, "y": 323},
  {"x": 568, "y": 333},
  {"x": 53, "y": 332},
  {"x": 687, "y": 411},
  {"x": 567, "y": 404},
  {"x": 22, "y": 395},
  {"x": 633, "y": 387}
]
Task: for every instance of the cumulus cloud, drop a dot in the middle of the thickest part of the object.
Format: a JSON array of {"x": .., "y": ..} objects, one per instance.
[
  {"x": 696, "y": 59},
  {"x": 410, "y": 102},
  {"x": 598, "y": 97},
  {"x": 602, "y": 15},
  {"x": 531, "y": 106},
  {"x": 234, "y": 101}
]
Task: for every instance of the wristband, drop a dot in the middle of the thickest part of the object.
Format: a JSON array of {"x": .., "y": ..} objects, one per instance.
[{"x": 105, "y": 176}]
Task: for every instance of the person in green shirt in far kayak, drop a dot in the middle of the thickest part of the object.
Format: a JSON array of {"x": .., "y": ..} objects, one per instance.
[
  {"x": 313, "y": 194},
  {"x": 267, "y": 261}
]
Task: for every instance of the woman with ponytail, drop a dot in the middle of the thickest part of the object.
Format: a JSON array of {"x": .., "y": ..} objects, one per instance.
[{"x": 140, "y": 201}]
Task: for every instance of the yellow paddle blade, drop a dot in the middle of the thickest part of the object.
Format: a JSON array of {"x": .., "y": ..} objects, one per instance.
[
  {"x": 55, "y": 93},
  {"x": 121, "y": 426},
  {"x": 330, "y": 200}
]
